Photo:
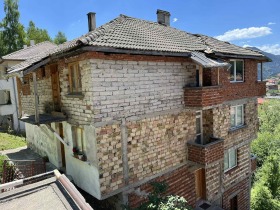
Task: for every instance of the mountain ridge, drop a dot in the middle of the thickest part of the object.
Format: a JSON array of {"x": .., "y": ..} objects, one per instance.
[{"x": 269, "y": 68}]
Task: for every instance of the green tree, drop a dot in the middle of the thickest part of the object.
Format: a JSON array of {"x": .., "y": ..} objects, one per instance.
[
  {"x": 261, "y": 198},
  {"x": 13, "y": 34},
  {"x": 60, "y": 38},
  {"x": 36, "y": 34}
]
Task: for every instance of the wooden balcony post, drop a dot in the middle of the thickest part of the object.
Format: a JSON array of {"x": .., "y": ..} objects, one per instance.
[{"x": 36, "y": 97}]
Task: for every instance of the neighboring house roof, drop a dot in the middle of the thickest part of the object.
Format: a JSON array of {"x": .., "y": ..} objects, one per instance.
[
  {"x": 29, "y": 52},
  {"x": 140, "y": 36},
  {"x": 48, "y": 192}
]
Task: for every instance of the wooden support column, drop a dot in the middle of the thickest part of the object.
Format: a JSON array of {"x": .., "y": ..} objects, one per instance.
[
  {"x": 36, "y": 97},
  {"x": 200, "y": 76},
  {"x": 261, "y": 71}
]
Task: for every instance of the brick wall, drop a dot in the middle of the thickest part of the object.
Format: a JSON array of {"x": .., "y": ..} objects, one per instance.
[
  {"x": 155, "y": 144},
  {"x": 243, "y": 195},
  {"x": 181, "y": 182},
  {"x": 213, "y": 95}
]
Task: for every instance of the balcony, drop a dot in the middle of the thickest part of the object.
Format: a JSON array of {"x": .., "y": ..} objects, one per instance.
[
  {"x": 253, "y": 163},
  {"x": 203, "y": 96},
  {"x": 206, "y": 153},
  {"x": 261, "y": 88}
]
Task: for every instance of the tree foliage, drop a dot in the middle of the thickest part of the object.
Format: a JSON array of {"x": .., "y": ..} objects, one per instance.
[
  {"x": 265, "y": 193},
  {"x": 36, "y": 34},
  {"x": 12, "y": 35},
  {"x": 60, "y": 38}
]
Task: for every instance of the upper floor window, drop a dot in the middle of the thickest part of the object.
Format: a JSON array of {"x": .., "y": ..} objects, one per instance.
[
  {"x": 237, "y": 70},
  {"x": 230, "y": 159},
  {"x": 237, "y": 116},
  {"x": 75, "y": 82}
]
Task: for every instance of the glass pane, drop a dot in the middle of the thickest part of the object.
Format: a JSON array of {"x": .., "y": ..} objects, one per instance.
[
  {"x": 232, "y": 117},
  {"x": 226, "y": 161},
  {"x": 231, "y": 71},
  {"x": 232, "y": 158},
  {"x": 198, "y": 127},
  {"x": 239, "y": 115},
  {"x": 198, "y": 139},
  {"x": 239, "y": 70}
]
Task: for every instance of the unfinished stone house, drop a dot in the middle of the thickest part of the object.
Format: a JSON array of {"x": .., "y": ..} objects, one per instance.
[
  {"x": 9, "y": 97},
  {"x": 134, "y": 101}
]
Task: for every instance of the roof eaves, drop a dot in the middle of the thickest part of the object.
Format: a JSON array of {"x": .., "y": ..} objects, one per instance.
[{"x": 261, "y": 58}]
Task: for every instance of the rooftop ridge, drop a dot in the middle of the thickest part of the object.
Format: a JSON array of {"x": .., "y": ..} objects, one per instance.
[{"x": 28, "y": 48}]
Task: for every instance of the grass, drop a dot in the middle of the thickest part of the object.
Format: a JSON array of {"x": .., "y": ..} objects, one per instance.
[{"x": 9, "y": 141}]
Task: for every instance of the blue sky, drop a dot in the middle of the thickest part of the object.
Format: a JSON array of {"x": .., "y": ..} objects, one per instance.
[{"x": 242, "y": 22}]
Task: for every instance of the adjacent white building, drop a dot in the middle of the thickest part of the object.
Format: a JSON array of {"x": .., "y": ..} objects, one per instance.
[{"x": 10, "y": 107}]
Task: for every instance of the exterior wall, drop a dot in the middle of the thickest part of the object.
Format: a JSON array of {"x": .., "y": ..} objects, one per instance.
[
  {"x": 84, "y": 173},
  {"x": 133, "y": 106},
  {"x": 242, "y": 190},
  {"x": 11, "y": 85},
  {"x": 180, "y": 182}
]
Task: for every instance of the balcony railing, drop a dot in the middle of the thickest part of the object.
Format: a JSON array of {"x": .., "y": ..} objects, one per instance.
[
  {"x": 203, "y": 96},
  {"x": 214, "y": 95},
  {"x": 208, "y": 153}
]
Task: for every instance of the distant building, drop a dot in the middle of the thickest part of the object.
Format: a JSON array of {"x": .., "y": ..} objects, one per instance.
[{"x": 10, "y": 105}]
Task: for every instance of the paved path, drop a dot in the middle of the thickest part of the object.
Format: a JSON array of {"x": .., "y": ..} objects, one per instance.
[{"x": 24, "y": 153}]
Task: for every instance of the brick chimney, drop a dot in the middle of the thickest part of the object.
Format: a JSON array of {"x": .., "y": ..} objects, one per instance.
[
  {"x": 91, "y": 21},
  {"x": 163, "y": 17}
]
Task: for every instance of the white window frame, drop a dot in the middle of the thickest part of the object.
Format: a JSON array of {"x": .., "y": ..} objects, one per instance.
[
  {"x": 227, "y": 153},
  {"x": 234, "y": 61},
  {"x": 198, "y": 115},
  {"x": 235, "y": 108}
]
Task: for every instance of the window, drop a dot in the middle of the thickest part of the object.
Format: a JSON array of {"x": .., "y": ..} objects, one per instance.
[
  {"x": 79, "y": 139},
  {"x": 75, "y": 78},
  {"x": 5, "y": 97},
  {"x": 234, "y": 203},
  {"x": 230, "y": 159},
  {"x": 237, "y": 70},
  {"x": 199, "y": 127},
  {"x": 237, "y": 116}
]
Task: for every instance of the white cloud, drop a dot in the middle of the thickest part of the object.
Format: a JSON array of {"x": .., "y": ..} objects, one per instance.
[
  {"x": 271, "y": 23},
  {"x": 246, "y": 45},
  {"x": 244, "y": 33},
  {"x": 175, "y": 20},
  {"x": 271, "y": 48}
]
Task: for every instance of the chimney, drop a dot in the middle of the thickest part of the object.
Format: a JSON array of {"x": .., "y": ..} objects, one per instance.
[
  {"x": 91, "y": 21},
  {"x": 32, "y": 42},
  {"x": 163, "y": 17}
]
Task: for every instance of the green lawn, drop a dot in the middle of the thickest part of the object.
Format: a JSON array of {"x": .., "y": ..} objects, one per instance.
[{"x": 8, "y": 141}]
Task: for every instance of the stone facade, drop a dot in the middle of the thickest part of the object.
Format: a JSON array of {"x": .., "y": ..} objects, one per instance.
[{"x": 138, "y": 129}]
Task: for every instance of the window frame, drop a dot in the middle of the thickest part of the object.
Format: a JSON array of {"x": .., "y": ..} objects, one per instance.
[
  {"x": 77, "y": 73},
  {"x": 228, "y": 152},
  {"x": 243, "y": 66},
  {"x": 235, "y": 120},
  {"x": 81, "y": 146}
]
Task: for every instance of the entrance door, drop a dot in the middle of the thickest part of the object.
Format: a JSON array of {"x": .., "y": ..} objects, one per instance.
[
  {"x": 55, "y": 88},
  {"x": 200, "y": 184}
]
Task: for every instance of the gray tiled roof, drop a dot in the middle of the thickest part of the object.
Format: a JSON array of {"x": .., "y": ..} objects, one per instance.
[
  {"x": 206, "y": 62},
  {"x": 30, "y": 52},
  {"x": 134, "y": 34}
]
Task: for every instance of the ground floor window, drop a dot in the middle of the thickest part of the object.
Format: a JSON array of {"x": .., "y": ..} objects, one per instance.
[{"x": 79, "y": 139}]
